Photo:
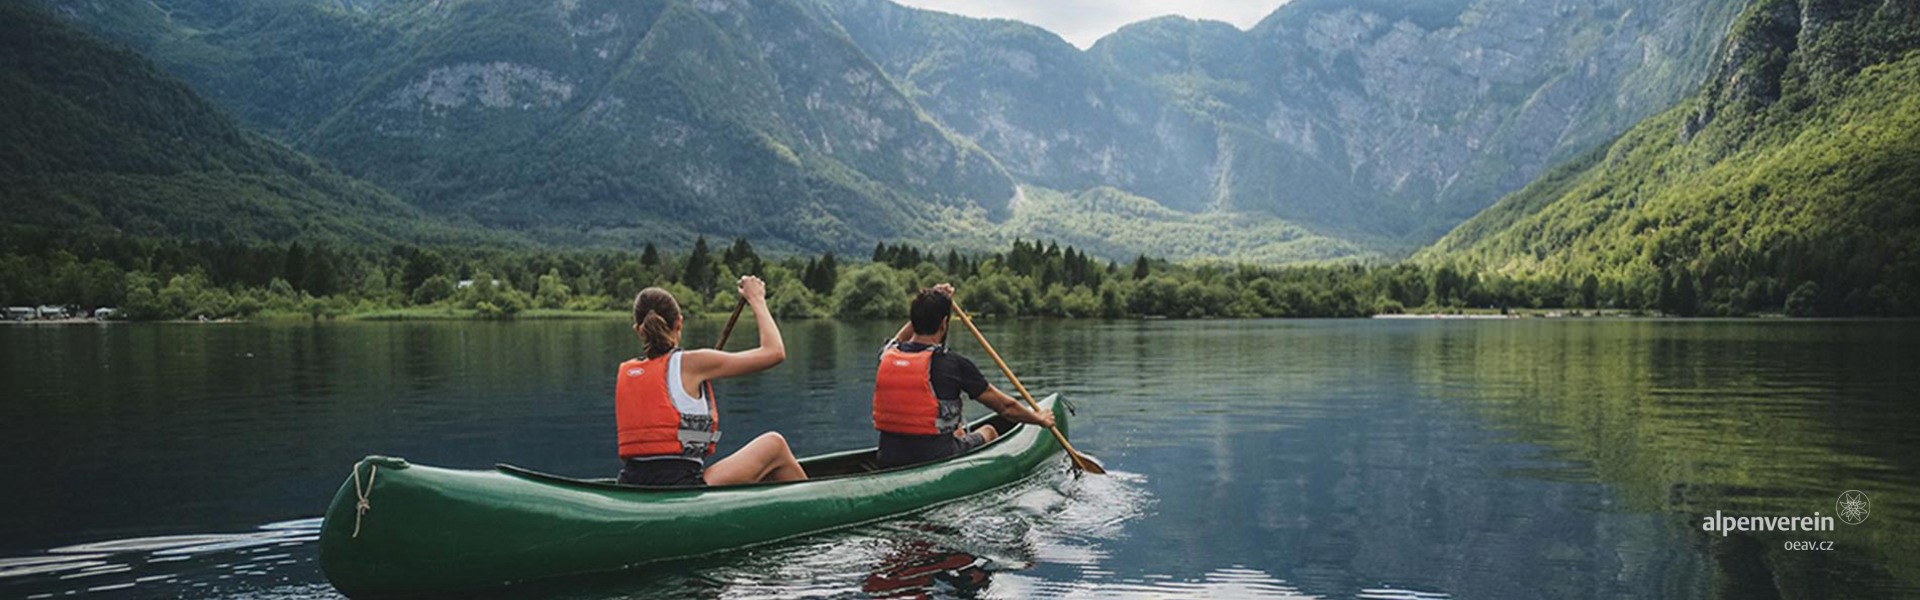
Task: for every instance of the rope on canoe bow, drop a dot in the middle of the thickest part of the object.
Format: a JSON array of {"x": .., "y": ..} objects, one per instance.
[{"x": 360, "y": 508}]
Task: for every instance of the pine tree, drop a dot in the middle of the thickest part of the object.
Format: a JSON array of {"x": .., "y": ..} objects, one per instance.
[
  {"x": 699, "y": 270},
  {"x": 650, "y": 258},
  {"x": 1140, "y": 267},
  {"x": 1020, "y": 258},
  {"x": 1686, "y": 301},
  {"x": 741, "y": 258},
  {"x": 321, "y": 278},
  {"x": 420, "y": 266},
  {"x": 822, "y": 276},
  {"x": 294, "y": 269},
  {"x": 1663, "y": 297}
]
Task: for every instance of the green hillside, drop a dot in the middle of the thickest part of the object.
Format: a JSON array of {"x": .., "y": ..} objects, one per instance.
[
  {"x": 1108, "y": 222},
  {"x": 1788, "y": 183},
  {"x": 94, "y": 139}
]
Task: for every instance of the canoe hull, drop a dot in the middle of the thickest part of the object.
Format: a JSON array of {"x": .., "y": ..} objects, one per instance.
[{"x": 429, "y": 530}]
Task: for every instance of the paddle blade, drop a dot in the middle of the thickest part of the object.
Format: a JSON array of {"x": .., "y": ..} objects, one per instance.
[{"x": 1087, "y": 463}]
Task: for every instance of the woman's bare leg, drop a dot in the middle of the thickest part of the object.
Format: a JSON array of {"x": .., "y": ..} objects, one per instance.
[
  {"x": 766, "y": 458},
  {"x": 987, "y": 433}
]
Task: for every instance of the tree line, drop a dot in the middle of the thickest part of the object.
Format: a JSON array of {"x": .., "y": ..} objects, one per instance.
[{"x": 163, "y": 279}]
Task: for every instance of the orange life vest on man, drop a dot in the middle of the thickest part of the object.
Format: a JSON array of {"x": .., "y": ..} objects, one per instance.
[
  {"x": 650, "y": 423},
  {"x": 903, "y": 399}
]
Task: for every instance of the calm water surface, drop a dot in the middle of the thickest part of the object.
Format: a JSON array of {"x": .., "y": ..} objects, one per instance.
[{"x": 1255, "y": 459}]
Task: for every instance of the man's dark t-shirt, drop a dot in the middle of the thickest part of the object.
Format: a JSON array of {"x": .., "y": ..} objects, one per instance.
[{"x": 951, "y": 374}]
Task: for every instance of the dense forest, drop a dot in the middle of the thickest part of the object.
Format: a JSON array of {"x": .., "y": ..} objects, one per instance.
[
  {"x": 94, "y": 137},
  {"x": 162, "y": 279},
  {"x": 1787, "y": 181}
]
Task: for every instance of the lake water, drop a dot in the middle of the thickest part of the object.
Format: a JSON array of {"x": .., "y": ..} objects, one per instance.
[{"x": 1255, "y": 459}]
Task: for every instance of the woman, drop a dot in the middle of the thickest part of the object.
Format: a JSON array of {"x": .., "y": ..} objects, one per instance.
[{"x": 668, "y": 425}]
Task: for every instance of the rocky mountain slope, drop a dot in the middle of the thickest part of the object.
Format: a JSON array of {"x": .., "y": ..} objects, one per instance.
[
  {"x": 1357, "y": 127},
  {"x": 1388, "y": 118},
  {"x": 1786, "y": 183}
]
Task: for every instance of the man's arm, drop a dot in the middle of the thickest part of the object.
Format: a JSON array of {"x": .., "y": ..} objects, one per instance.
[
  {"x": 976, "y": 386},
  {"x": 1010, "y": 408}
]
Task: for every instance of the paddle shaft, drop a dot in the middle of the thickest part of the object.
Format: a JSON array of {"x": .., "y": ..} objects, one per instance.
[
  {"x": 728, "y": 331},
  {"x": 724, "y": 334},
  {"x": 1079, "y": 462}
]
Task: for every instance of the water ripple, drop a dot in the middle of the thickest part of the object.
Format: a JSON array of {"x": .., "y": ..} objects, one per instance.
[{"x": 172, "y": 565}]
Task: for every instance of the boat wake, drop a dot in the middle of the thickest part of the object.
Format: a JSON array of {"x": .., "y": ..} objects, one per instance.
[{"x": 1054, "y": 520}]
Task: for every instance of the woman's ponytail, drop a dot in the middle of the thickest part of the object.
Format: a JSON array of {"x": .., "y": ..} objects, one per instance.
[{"x": 657, "y": 314}]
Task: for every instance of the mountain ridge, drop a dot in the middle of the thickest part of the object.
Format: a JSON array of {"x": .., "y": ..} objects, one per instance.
[
  {"x": 820, "y": 124},
  {"x": 1230, "y": 119}
]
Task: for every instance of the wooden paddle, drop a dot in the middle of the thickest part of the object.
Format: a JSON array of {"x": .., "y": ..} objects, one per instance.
[
  {"x": 724, "y": 334},
  {"x": 1080, "y": 461},
  {"x": 728, "y": 331}
]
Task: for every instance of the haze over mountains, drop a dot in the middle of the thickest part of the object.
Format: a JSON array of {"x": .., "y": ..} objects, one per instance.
[{"x": 1334, "y": 128}]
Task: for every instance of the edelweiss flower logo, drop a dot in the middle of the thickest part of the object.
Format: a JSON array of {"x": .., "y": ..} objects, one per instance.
[{"x": 1854, "y": 507}]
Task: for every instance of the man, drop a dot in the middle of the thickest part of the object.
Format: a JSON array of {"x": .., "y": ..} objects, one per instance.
[{"x": 916, "y": 396}]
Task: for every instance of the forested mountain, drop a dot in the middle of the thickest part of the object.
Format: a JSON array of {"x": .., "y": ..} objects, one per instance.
[
  {"x": 95, "y": 140},
  {"x": 1789, "y": 181},
  {"x": 1353, "y": 127},
  {"x": 591, "y": 121}
]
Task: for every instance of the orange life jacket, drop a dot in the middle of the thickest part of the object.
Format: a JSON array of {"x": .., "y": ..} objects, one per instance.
[
  {"x": 650, "y": 423},
  {"x": 903, "y": 399}
]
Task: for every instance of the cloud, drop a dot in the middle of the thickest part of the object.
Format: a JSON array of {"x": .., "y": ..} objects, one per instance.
[{"x": 1082, "y": 22}]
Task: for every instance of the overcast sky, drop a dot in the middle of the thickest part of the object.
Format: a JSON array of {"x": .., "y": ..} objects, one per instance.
[{"x": 1082, "y": 22}]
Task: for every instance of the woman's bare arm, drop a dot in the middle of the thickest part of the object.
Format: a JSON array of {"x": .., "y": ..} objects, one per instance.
[{"x": 704, "y": 365}]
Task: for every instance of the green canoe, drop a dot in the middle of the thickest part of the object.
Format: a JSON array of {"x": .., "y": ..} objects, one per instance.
[{"x": 426, "y": 530}]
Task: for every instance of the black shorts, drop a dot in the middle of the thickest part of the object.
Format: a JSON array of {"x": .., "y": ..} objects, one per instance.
[
  {"x": 663, "y": 471},
  {"x": 899, "y": 449}
]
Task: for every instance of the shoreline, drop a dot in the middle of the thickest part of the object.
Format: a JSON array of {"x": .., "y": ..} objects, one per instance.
[
  {"x": 458, "y": 314},
  {"x": 404, "y": 314},
  {"x": 469, "y": 314},
  {"x": 1569, "y": 313}
]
